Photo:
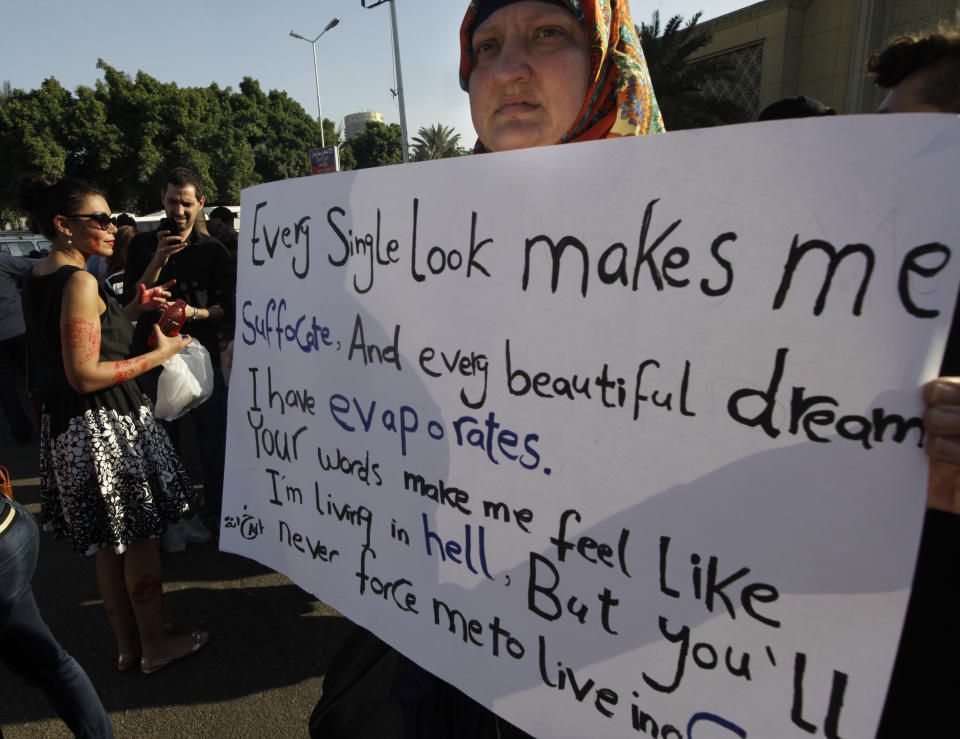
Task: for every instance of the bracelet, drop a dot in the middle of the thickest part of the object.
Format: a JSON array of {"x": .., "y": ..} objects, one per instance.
[{"x": 196, "y": 312}]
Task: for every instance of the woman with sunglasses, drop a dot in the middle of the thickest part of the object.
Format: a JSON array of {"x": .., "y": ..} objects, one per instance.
[{"x": 109, "y": 476}]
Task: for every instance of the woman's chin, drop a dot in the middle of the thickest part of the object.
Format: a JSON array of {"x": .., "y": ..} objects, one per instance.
[
  {"x": 519, "y": 140},
  {"x": 521, "y": 134}
]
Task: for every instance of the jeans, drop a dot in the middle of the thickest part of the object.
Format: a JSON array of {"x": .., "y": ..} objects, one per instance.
[{"x": 28, "y": 648}]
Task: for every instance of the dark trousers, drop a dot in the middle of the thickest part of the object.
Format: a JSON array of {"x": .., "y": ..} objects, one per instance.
[
  {"x": 26, "y": 645},
  {"x": 12, "y": 366},
  {"x": 210, "y": 421}
]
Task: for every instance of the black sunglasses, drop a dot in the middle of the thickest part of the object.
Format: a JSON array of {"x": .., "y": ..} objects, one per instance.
[{"x": 103, "y": 220}]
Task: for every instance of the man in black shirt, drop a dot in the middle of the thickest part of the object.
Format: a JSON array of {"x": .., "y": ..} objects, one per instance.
[
  {"x": 922, "y": 75},
  {"x": 202, "y": 270}
]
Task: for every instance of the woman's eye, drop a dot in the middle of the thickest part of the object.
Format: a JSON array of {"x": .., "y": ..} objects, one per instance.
[
  {"x": 549, "y": 32},
  {"x": 482, "y": 47}
]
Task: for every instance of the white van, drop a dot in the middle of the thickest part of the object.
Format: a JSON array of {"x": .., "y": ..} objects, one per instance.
[{"x": 24, "y": 244}]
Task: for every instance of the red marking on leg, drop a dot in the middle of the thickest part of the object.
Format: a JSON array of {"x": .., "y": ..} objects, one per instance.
[{"x": 147, "y": 589}]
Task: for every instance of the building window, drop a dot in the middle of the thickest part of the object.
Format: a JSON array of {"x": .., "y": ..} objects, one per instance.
[{"x": 743, "y": 86}]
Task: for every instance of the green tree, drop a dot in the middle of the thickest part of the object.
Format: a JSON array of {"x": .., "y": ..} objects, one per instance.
[
  {"x": 126, "y": 133},
  {"x": 680, "y": 86},
  {"x": 436, "y": 142},
  {"x": 379, "y": 144},
  {"x": 33, "y": 137}
]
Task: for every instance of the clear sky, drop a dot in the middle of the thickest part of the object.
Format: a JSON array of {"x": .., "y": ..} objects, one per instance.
[{"x": 222, "y": 41}]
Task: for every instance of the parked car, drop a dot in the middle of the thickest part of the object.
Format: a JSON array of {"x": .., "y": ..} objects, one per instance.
[{"x": 24, "y": 244}]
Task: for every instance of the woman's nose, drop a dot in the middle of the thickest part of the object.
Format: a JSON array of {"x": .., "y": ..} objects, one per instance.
[{"x": 513, "y": 62}]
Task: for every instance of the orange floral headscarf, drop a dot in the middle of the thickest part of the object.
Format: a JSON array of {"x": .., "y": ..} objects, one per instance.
[{"x": 620, "y": 100}]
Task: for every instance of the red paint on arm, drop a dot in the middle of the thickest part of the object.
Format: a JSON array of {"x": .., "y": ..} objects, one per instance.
[
  {"x": 127, "y": 369},
  {"x": 82, "y": 336}
]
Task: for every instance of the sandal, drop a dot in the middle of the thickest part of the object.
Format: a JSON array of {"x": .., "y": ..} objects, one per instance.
[
  {"x": 126, "y": 660},
  {"x": 150, "y": 665}
]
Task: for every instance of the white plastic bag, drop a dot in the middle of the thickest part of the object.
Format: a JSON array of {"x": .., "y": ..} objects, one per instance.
[{"x": 186, "y": 381}]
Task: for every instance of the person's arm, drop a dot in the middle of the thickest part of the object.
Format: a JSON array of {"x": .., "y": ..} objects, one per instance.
[
  {"x": 21, "y": 265},
  {"x": 214, "y": 313},
  {"x": 80, "y": 341},
  {"x": 942, "y": 423}
]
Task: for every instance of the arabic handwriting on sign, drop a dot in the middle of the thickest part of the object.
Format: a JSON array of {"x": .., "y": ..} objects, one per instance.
[{"x": 250, "y": 527}]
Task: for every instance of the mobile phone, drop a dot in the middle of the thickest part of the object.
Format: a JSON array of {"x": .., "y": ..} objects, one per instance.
[{"x": 169, "y": 224}]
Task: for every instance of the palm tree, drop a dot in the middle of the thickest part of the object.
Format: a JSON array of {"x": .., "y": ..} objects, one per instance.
[
  {"x": 436, "y": 142},
  {"x": 680, "y": 85}
]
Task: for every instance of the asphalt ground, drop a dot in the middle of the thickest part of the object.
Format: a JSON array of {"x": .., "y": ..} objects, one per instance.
[{"x": 260, "y": 675}]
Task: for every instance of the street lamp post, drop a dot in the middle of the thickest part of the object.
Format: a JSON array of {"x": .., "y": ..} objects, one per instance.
[
  {"x": 396, "y": 56},
  {"x": 316, "y": 73}
]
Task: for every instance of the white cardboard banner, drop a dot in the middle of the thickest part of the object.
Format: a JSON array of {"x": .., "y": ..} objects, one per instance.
[{"x": 619, "y": 438}]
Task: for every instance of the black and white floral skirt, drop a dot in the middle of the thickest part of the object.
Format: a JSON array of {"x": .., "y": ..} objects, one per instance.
[{"x": 110, "y": 478}]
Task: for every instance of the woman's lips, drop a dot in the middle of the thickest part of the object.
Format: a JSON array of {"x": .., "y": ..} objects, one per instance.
[{"x": 518, "y": 107}]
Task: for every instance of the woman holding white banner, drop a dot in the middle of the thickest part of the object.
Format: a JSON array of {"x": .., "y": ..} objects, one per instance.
[
  {"x": 542, "y": 72},
  {"x": 109, "y": 476},
  {"x": 538, "y": 73}
]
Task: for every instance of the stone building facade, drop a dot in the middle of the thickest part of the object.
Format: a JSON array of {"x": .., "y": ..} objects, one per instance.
[{"x": 817, "y": 48}]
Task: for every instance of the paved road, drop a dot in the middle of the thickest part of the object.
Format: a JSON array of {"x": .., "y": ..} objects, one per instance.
[{"x": 260, "y": 676}]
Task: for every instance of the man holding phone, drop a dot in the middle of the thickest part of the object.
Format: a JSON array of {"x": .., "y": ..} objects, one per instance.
[{"x": 201, "y": 268}]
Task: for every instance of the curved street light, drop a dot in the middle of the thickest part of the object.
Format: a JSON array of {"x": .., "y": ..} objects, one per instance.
[{"x": 316, "y": 74}]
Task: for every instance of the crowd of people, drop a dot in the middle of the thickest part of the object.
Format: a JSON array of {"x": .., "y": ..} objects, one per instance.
[{"x": 538, "y": 72}]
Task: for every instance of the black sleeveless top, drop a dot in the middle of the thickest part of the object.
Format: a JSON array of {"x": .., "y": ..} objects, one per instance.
[{"x": 42, "y": 300}]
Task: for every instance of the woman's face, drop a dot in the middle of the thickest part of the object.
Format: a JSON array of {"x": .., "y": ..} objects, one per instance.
[
  {"x": 530, "y": 76},
  {"x": 85, "y": 232}
]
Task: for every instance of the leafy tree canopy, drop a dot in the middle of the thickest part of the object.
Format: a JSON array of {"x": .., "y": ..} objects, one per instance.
[
  {"x": 379, "y": 144},
  {"x": 126, "y": 132}
]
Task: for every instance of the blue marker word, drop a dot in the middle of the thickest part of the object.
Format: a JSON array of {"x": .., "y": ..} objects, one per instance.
[{"x": 273, "y": 327}]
